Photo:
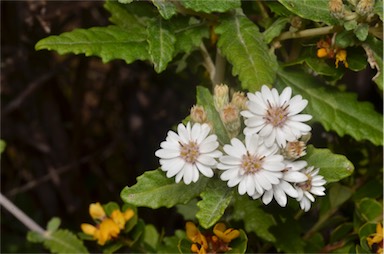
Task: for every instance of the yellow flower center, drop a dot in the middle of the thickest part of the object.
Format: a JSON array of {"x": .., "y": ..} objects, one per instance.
[
  {"x": 276, "y": 115},
  {"x": 189, "y": 152},
  {"x": 251, "y": 163}
]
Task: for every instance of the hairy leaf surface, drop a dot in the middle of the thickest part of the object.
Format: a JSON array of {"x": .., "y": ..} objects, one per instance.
[
  {"x": 109, "y": 43},
  {"x": 214, "y": 200},
  {"x": 161, "y": 45},
  {"x": 64, "y": 241},
  {"x": 209, "y": 6},
  {"x": 153, "y": 189},
  {"x": 166, "y": 8},
  {"x": 335, "y": 110},
  {"x": 242, "y": 44},
  {"x": 316, "y": 10}
]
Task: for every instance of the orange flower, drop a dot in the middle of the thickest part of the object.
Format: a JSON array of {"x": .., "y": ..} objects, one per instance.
[{"x": 227, "y": 235}]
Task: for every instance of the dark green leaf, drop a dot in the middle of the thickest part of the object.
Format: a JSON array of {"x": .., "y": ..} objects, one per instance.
[
  {"x": 356, "y": 58},
  {"x": 320, "y": 66},
  {"x": 35, "y": 237},
  {"x": 151, "y": 236},
  {"x": 153, "y": 189},
  {"x": 345, "y": 39},
  {"x": 278, "y": 8},
  {"x": 170, "y": 243},
  {"x": 350, "y": 25},
  {"x": 242, "y": 44},
  {"x": 109, "y": 43},
  {"x": 166, "y": 8},
  {"x": 64, "y": 241},
  {"x": 333, "y": 167},
  {"x": 214, "y": 200},
  {"x": 53, "y": 224},
  {"x": 361, "y": 31},
  {"x": 338, "y": 194},
  {"x": 314, "y": 244},
  {"x": 378, "y": 8},
  {"x": 275, "y": 29},
  {"x": 366, "y": 230},
  {"x": 371, "y": 189},
  {"x": 341, "y": 232},
  {"x": 110, "y": 207},
  {"x": 188, "y": 210},
  {"x": 335, "y": 110},
  {"x": 205, "y": 99},
  {"x": 288, "y": 236},
  {"x": 161, "y": 44},
  {"x": 2, "y": 146},
  {"x": 370, "y": 210},
  {"x": 209, "y": 6},
  {"x": 255, "y": 218},
  {"x": 374, "y": 50},
  {"x": 313, "y": 10}
]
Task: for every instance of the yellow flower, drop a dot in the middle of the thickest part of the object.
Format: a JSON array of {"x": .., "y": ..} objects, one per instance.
[
  {"x": 376, "y": 239},
  {"x": 341, "y": 56},
  {"x": 226, "y": 235},
  {"x": 108, "y": 229},
  {"x": 193, "y": 233},
  {"x": 88, "y": 229},
  {"x": 96, "y": 211},
  {"x": 322, "y": 52},
  {"x": 128, "y": 214}
]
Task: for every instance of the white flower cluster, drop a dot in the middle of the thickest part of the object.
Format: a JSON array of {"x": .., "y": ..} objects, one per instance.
[{"x": 265, "y": 165}]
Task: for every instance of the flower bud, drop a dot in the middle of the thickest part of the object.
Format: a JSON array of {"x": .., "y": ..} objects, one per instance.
[
  {"x": 336, "y": 7},
  {"x": 96, "y": 211},
  {"x": 198, "y": 114},
  {"x": 230, "y": 116},
  {"x": 239, "y": 100},
  {"x": 365, "y": 7},
  {"x": 294, "y": 150},
  {"x": 220, "y": 96}
]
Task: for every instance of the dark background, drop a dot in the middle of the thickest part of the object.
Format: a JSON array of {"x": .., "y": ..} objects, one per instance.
[{"x": 77, "y": 130}]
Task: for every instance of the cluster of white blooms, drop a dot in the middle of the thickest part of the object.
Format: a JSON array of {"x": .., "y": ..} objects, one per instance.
[{"x": 265, "y": 164}]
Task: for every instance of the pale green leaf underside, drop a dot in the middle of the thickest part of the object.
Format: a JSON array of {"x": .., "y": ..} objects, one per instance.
[
  {"x": 109, "y": 43},
  {"x": 161, "y": 45},
  {"x": 333, "y": 167},
  {"x": 166, "y": 8},
  {"x": 64, "y": 241},
  {"x": 316, "y": 10},
  {"x": 242, "y": 44},
  {"x": 205, "y": 99},
  {"x": 209, "y": 6},
  {"x": 335, "y": 110},
  {"x": 214, "y": 200},
  {"x": 275, "y": 29},
  {"x": 153, "y": 189}
]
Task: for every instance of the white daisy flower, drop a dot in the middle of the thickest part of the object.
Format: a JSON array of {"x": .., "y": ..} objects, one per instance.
[
  {"x": 253, "y": 166},
  {"x": 189, "y": 151},
  {"x": 276, "y": 117},
  {"x": 313, "y": 186},
  {"x": 291, "y": 174}
]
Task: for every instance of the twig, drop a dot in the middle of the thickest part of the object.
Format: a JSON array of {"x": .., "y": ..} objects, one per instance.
[
  {"x": 307, "y": 33},
  {"x": 20, "y": 215},
  {"x": 220, "y": 64},
  {"x": 208, "y": 63}
]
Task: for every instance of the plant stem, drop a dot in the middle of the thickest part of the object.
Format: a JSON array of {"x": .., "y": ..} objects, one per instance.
[
  {"x": 20, "y": 215},
  {"x": 307, "y": 33},
  {"x": 220, "y": 64},
  {"x": 208, "y": 63}
]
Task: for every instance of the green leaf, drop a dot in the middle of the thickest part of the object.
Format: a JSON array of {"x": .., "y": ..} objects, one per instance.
[
  {"x": 335, "y": 110},
  {"x": 151, "y": 236},
  {"x": 370, "y": 210},
  {"x": 341, "y": 232},
  {"x": 361, "y": 31},
  {"x": 374, "y": 50},
  {"x": 378, "y": 8},
  {"x": 110, "y": 207},
  {"x": 189, "y": 210},
  {"x": 35, "y": 237},
  {"x": 64, "y": 241},
  {"x": 242, "y": 44},
  {"x": 314, "y": 244},
  {"x": 166, "y": 8},
  {"x": 366, "y": 230},
  {"x": 129, "y": 225},
  {"x": 2, "y": 146},
  {"x": 288, "y": 235},
  {"x": 345, "y": 39},
  {"x": 189, "y": 33},
  {"x": 350, "y": 25},
  {"x": 128, "y": 16},
  {"x": 53, "y": 224},
  {"x": 275, "y": 29},
  {"x": 313, "y": 10},
  {"x": 371, "y": 189},
  {"x": 338, "y": 194},
  {"x": 255, "y": 218},
  {"x": 214, "y": 200},
  {"x": 333, "y": 167},
  {"x": 153, "y": 189},
  {"x": 320, "y": 66},
  {"x": 161, "y": 45},
  {"x": 209, "y": 6},
  {"x": 170, "y": 243},
  {"x": 205, "y": 99},
  {"x": 109, "y": 43},
  {"x": 239, "y": 245},
  {"x": 356, "y": 58}
]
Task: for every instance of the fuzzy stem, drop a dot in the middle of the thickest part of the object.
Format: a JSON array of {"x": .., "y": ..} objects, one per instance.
[
  {"x": 208, "y": 63},
  {"x": 307, "y": 33},
  {"x": 20, "y": 215},
  {"x": 219, "y": 68}
]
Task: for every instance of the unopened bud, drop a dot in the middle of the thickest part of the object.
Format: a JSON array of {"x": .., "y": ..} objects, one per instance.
[
  {"x": 239, "y": 100},
  {"x": 230, "y": 116},
  {"x": 198, "y": 114},
  {"x": 365, "y": 7},
  {"x": 220, "y": 96},
  {"x": 294, "y": 150},
  {"x": 336, "y": 7}
]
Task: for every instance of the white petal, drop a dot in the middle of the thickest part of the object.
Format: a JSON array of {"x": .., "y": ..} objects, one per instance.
[
  {"x": 270, "y": 139},
  {"x": 173, "y": 166},
  {"x": 195, "y": 174},
  {"x": 242, "y": 187},
  {"x": 170, "y": 145},
  {"x": 280, "y": 196},
  {"x": 251, "y": 143},
  {"x": 207, "y": 171},
  {"x": 288, "y": 188},
  {"x": 319, "y": 191},
  {"x": 296, "y": 105},
  {"x": 167, "y": 154},
  {"x": 299, "y": 126},
  {"x": 263, "y": 181},
  {"x": 188, "y": 173},
  {"x": 234, "y": 181},
  {"x": 195, "y": 132},
  {"x": 267, "y": 197},
  {"x": 205, "y": 129},
  {"x": 228, "y": 174},
  {"x": 208, "y": 147},
  {"x": 285, "y": 95},
  {"x": 206, "y": 160},
  {"x": 267, "y": 95},
  {"x": 233, "y": 151},
  {"x": 273, "y": 177},
  {"x": 247, "y": 113},
  {"x": 179, "y": 175},
  {"x": 230, "y": 160},
  {"x": 250, "y": 185},
  {"x": 267, "y": 130},
  {"x": 300, "y": 118},
  {"x": 309, "y": 196},
  {"x": 258, "y": 187},
  {"x": 294, "y": 177},
  {"x": 255, "y": 122},
  {"x": 183, "y": 133}
]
